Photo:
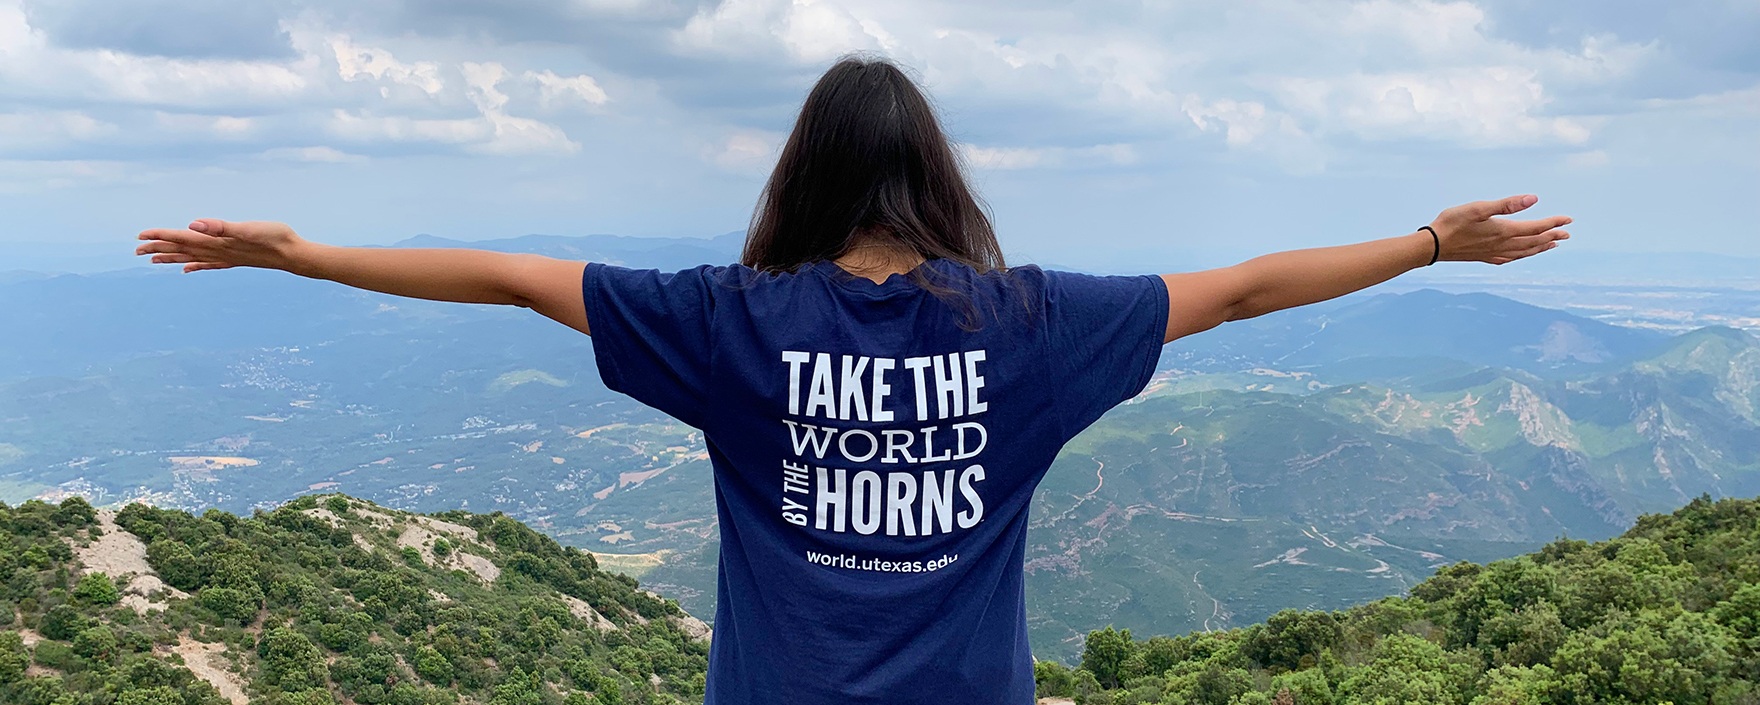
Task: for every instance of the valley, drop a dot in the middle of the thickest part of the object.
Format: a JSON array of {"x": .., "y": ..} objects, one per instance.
[{"x": 1314, "y": 459}]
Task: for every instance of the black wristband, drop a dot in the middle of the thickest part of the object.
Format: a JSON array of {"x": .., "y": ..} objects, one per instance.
[{"x": 1437, "y": 242}]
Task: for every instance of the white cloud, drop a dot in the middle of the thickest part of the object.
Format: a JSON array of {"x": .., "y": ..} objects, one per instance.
[
  {"x": 508, "y": 135},
  {"x": 1481, "y": 107},
  {"x": 492, "y": 132},
  {"x": 751, "y": 151},
  {"x": 1379, "y": 71},
  {"x": 23, "y": 176},
  {"x": 366, "y": 127},
  {"x": 46, "y": 128},
  {"x": 1372, "y": 72},
  {"x": 1002, "y": 157},
  {"x": 1012, "y": 158},
  {"x": 807, "y": 30},
  {"x": 1591, "y": 159},
  {"x": 516, "y": 136},
  {"x": 480, "y": 81},
  {"x": 219, "y": 126},
  {"x": 153, "y": 80},
  {"x": 416, "y": 101},
  {"x": 360, "y": 63},
  {"x": 320, "y": 154},
  {"x": 553, "y": 88}
]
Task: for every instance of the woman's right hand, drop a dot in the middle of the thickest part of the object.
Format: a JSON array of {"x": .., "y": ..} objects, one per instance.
[
  {"x": 1472, "y": 233},
  {"x": 210, "y": 243}
]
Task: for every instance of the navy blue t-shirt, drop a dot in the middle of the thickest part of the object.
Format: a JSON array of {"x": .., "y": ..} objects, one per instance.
[{"x": 875, "y": 448}]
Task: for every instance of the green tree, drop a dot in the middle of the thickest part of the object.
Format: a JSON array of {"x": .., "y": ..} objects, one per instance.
[
  {"x": 1405, "y": 669},
  {"x": 176, "y": 564},
  {"x": 291, "y": 662},
  {"x": 42, "y": 691},
  {"x": 75, "y": 512},
  {"x": 158, "y": 695},
  {"x": 1053, "y": 680},
  {"x": 1104, "y": 655},
  {"x": 1524, "y": 637},
  {"x": 231, "y": 603},
  {"x": 1741, "y": 612},
  {"x": 1291, "y": 639},
  {"x": 96, "y": 643},
  {"x": 519, "y": 688},
  {"x": 1646, "y": 658},
  {"x": 62, "y": 622},
  {"x": 1308, "y": 687},
  {"x": 431, "y": 665},
  {"x": 1519, "y": 685},
  {"x": 97, "y": 589},
  {"x": 1206, "y": 683},
  {"x": 13, "y": 658}
]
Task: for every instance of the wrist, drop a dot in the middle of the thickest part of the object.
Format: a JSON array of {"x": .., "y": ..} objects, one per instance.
[
  {"x": 1422, "y": 247},
  {"x": 1434, "y": 233},
  {"x": 304, "y": 258}
]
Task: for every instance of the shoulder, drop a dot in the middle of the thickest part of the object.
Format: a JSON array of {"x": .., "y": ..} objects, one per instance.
[
  {"x": 705, "y": 276},
  {"x": 1077, "y": 281},
  {"x": 952, "y": 271}
]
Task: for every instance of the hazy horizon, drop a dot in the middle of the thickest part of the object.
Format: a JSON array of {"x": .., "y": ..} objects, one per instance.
[{"x": 1675, "y": 268}]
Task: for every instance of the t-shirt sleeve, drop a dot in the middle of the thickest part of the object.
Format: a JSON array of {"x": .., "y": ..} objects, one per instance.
[
  {"x": 1104, "y": 335},
  {"x": 651, "y": 334}
]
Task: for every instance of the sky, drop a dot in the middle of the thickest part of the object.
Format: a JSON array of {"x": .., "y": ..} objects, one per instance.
[{"x": 1102, "y": 134}]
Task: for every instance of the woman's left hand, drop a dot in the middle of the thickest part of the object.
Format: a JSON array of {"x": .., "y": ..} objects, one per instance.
[{"x": 1473, "y": 233}]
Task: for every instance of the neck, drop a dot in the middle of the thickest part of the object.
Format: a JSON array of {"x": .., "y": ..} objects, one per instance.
[{"x": 876, "y": 260}]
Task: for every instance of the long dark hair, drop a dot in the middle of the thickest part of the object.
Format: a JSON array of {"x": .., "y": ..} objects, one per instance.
[{"x": 868, "y": 163}]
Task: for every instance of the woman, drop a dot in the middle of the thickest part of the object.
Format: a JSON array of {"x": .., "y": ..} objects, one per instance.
[{"x": 879, "y": 394}]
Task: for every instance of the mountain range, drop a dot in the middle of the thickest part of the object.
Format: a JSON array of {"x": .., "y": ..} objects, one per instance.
[{"x": 1314, "y": 458}]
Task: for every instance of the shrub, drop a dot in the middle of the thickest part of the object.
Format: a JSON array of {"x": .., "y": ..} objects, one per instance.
[
  {"x": 97, "y": 589},
  {"x": 97, "y": 643},
  {"x": 62, "y": 622}
]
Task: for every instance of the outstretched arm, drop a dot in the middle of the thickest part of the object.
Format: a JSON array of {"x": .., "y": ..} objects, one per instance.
[
  {"x": 549, "y": 286},
  {"x": 1199, "y": 301}
]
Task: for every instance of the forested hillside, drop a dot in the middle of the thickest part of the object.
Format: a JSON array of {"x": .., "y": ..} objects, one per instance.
[
  {"x": 1667, "y": 613},
  {"x": 333, "y": 600},
  {"x": 327, "y": 599}
]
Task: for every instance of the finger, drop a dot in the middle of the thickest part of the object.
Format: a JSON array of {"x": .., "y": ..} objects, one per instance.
[
  {"x": 1530, "y": 252},
  {"x": 173, "y": 259},
  {"x": 1523, "y": 242},
  {"x": 1503, "y": 206},
  {"x": 199, "y": 266},
  {"x": 1530, "y": 227},
  {"x": 158, "y": 246},
  {"x": 210, "y": 226},
  {"x": 171, "y": 235}
]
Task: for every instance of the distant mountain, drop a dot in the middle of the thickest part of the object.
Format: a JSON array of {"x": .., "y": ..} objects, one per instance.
[
  {"x": 1417, "y": 334},
  {"x": 324, "y": 600},
  {"x": 21, "y": 275},
  {"x": 1723, "y": 358},
  {"x": 1645, "y": 269},
  {"x": 658, "y": 252}
]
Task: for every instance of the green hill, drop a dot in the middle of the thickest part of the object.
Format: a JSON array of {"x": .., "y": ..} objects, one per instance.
[
  {"x": 1667, "y": 613},
  {"x": 327, "y": 599}
]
